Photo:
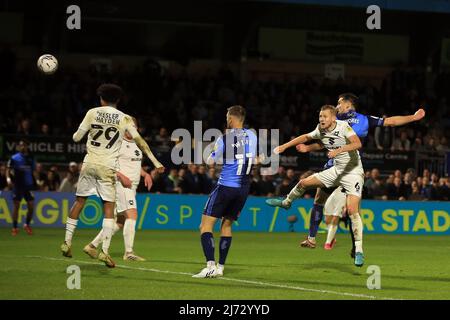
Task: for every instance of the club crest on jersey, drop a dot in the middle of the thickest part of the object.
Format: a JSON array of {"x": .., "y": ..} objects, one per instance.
[{"x": 336, "y": 133}]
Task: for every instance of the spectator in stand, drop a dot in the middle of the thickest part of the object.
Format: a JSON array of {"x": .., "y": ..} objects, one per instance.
[
  {"x": 55, "y": 171},
  {"x": 162, "y": 140},
  {"x": 418, "y": 145},
  {"x": 431, "y": 144},
  {"x": 426, "y": 188},
  {"x": 171, "y": 182},
  {"x": 396, "y": 190},
  {"x": 280, "y": 176},
  {"x": 415, "y": 192},
  {"x": 255, "y": 183},
  {"x": 182, "y": 183},
  {"x": 51, "y": 184},
  {"x": 384, "y": 137},
  {"x": 192, "y": 180},
  {"x": 204, "y": 181},
  {"x": 390, "y": 179},
  {"x": 309, "y": 193},
  {"x": 284, "y": 188},
  {"x": 213, "y": 176},
  {"x": 3, "y": 181},
  {"x": 442, "y": 145},
  {"x": 266, "y": 186},
  {"x": 45, "y": 130},
  {"x": 402, "y": 143},
  {"x": 374, "y": 175},
  {"x": 378, "y": 190},
  {"x": 290, "y": 175},
  {"x": 24, "y": 127},
  {"x": 69, "y": 183},
  {"x": 426, "y": 174},
  {"x": 398, "y": 174},
  {"x": 158, "y": 182},
  {"x": 444, "y": 190},
  {"x": 40, "y": 177},
  {"x": 434, "y": 178},
  {"x": 407, "y": 180},
  {"x": 435, "y": 194}
]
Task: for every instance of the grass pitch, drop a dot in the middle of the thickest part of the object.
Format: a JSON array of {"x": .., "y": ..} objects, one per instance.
[{"x": 259, "y": 266}]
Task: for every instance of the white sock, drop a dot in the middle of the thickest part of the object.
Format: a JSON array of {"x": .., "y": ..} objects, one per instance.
[
  {"x": 129, "y": 230},
  {"x": 295, "y": 193},
  {"x": 210, "y": 264},
  {"x": 107, "y": 233},
  {"x": 332, "y": 228},
  {"x": 71, "y": 225},
  {"x": 98, "y": 239},
  {"x": 357, "y": 227}
]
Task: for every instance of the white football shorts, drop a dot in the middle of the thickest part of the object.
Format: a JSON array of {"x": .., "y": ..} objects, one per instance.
[
  {"x": 97, "y": 180},
  {"x": 125, "y": 198},
  {"x": 352, "y": 182}
]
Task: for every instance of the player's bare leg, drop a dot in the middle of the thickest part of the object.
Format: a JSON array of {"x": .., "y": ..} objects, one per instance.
[
  {"x": 352, "y": 236},
  {"x": 15, "y": 229},
  {"x": 30, "y": 209},
  {"x": 207, "y": 239},
  {"x": 129, "y": 231},
  {"x": 315, "y": 218},
  {"x": 225, "y": 244},
  {"x": 71, "y": 225},
  {"x": 108, "y": 227},
  {"x": 332, "y": 223},
  {"x": 353, "y": 204},
  {"x": 296, "y": 192}
]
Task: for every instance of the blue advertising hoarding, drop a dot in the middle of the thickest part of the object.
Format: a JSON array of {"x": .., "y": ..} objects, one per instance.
[{"x": 183, "y": 212}]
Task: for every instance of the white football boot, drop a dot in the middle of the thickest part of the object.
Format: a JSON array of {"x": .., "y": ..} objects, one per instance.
[{"x": 208, "y": 272}]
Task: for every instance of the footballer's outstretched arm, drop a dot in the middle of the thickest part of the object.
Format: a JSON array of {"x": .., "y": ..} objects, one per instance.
[
  {"x": 146, "y": 149},
  {"x": 131, "y": 128},
  {"x": 401, "y": 120},
  {"x": 300, "y": 139},
  {"x": 304, "y": 148}
]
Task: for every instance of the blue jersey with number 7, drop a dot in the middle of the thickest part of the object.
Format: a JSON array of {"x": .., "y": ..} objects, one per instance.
[{"x": 236, "y": 150}]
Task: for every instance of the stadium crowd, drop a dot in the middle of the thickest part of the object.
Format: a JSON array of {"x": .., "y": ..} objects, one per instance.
[
  {"x": 162, "y": 102},
  {"x": 199, "y": 179}
]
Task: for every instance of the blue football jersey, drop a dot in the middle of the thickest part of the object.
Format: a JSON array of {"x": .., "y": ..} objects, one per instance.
[
  {"x": 23, "y": 166},
  {"x": 236, "y": 150}
]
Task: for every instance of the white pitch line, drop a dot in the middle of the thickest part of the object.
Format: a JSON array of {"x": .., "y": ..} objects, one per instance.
[{"x": 264, "y": 284}]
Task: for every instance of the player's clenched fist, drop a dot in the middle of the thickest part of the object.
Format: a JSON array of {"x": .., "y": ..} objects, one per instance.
[
  {"x": 161, "y": 169},
  {"x": 278, "y": 150},
  {"x": 419, "y": 114},
  {"x": 333, "y": 153}
]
